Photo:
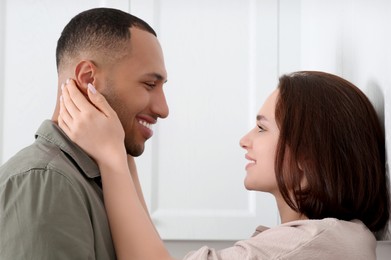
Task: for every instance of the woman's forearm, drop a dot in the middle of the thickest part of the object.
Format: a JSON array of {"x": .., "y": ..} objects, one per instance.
[
  {"x": 133, "y": 233},
  {"x": 134, "y": 173},
  {"x": 132, "y": 230},
  {"x": 137, "y": 185}
]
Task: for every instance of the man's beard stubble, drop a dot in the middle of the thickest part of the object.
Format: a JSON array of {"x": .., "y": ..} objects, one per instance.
[{"x": 113, "y": 99}]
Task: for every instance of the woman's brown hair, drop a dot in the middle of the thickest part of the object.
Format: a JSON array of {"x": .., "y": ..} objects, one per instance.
[{"x": 330, "y": 158}]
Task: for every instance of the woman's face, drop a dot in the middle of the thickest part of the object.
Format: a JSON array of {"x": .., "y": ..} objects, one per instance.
[{"x": 260, "y": 144}]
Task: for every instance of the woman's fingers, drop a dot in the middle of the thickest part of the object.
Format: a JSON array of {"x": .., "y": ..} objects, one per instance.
[
  {"x": 76, "y": 102},
  {"x": 66, "y": 118},
  {"x": 92, "y": 124},
  {"x": 99, "y": 101},
  {"x": 68, "y": 100},
  {"x": 73, "y": 107},
  {"x": 80, "y": 102},
  {"x": 63, "y": 125}
]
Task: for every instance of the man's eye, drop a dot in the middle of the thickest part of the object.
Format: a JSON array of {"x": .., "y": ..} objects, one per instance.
[{"x": 150, "y": 84}]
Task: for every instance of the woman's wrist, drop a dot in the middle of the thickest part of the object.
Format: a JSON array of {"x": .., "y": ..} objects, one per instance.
[{"x": 113, "y": 162}]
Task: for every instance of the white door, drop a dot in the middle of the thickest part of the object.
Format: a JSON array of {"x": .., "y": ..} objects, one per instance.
[{"x": 220, "y": 69}]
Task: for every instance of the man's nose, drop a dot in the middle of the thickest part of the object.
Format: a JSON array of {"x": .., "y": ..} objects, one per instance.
[{"x": 159, "y": 105}]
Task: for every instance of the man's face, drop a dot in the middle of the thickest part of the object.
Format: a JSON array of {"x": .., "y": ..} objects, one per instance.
[{"x": 134, "y": 88}]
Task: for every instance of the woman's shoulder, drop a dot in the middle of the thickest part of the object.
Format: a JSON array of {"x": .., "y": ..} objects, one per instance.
[
  {"x": 319, "y": 229},
  {"x": 317, "y": 226},
  {"x": 329, "y": 237},
  {"x": 304, "y": 239}
]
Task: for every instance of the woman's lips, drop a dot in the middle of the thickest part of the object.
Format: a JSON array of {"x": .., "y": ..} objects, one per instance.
[{"x": 251, "y": 163}]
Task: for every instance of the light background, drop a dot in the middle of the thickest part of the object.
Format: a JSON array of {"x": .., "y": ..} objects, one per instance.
[{"x": 223, "y": 58}]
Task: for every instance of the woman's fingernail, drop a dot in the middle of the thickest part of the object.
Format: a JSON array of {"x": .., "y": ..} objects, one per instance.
[
  {"x": 62, "y": 86},
  {"x": 61, "y": 99},
  {"x": 67, "y": 81},
  {"x": 91, "y": 88}
]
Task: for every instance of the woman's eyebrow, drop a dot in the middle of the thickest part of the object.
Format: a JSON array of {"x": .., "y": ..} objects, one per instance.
[{"x": 261, "y": 117}]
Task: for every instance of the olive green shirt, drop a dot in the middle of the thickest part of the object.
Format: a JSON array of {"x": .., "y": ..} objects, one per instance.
[{"x": 51, "y": 203}]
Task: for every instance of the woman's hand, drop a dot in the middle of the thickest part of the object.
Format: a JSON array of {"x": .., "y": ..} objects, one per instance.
[{"x": 94, "y": 127}]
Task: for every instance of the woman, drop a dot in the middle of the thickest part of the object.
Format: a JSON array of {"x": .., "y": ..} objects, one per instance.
[{"x": 317, "y": 146}]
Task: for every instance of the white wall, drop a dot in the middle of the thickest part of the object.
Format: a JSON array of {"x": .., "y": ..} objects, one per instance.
[
  {"x": 223, "y": 58},
  {"x": 350, "y": 38},
  {"x": 2, "y": 36}
]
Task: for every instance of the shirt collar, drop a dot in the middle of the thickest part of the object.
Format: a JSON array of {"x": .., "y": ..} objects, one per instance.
[
  {"x": 53, "y": 134},
  {"x": 259, "y": 230}
]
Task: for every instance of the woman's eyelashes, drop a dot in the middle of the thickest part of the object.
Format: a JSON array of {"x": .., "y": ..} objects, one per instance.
[{"x": 261, "y": 129}]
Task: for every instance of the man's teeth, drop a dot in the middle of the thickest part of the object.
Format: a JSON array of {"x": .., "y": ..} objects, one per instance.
[{"x": 145, "y": 124}]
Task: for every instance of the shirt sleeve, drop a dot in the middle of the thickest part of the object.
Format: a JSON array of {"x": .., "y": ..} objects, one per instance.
[
  {"x": 42, "y": 216},
  {"x": 276, "y": 243},
  {"x": 306, "y": 239},
  {"x": 253, "y": 248},
  {"x": 240, "y": 250}
]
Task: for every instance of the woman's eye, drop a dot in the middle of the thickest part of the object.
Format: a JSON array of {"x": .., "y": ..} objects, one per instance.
[{"x": 261, "y": 129}]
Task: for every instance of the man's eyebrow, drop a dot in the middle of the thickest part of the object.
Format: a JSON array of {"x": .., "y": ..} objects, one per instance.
[{"x": 157, "y": 76}]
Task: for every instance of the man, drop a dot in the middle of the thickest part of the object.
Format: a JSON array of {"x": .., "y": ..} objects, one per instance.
[{"x": 50, "y": 194}]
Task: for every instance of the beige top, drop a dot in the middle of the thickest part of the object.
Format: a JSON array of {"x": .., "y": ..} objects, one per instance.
[{"x": 304, "y": 239}]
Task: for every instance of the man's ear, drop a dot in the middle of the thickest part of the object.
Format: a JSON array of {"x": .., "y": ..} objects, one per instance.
[{"x": 85, "y": 72}]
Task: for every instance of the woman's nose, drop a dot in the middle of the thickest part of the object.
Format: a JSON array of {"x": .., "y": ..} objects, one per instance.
[{"x": 244, "y": 142}]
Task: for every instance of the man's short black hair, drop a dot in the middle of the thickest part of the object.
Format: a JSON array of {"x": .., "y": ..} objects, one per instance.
[{"x": 99, "y": 30}]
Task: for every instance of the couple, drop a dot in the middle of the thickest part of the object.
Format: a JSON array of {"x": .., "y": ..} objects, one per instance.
[{"x": 316, "y": 145}]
